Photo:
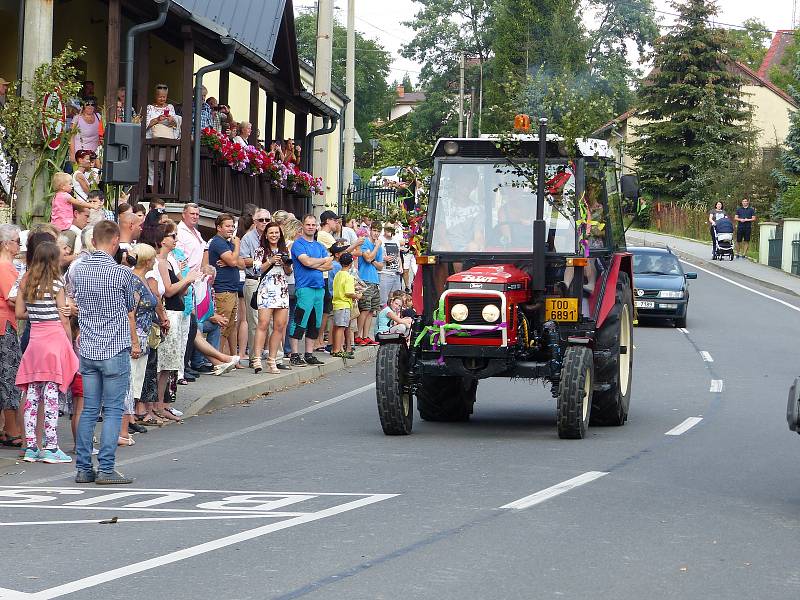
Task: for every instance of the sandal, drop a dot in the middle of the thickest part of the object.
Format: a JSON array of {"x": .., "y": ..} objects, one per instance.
[
  {"x": 257, "y": 365},
  {"x": 168, "y": 416},
  {"x": 152, "y": 422},
  {"x": 125, "y": 441},
  {"x": 12, "y": 442},
  {"x": 272, "y": 367}
]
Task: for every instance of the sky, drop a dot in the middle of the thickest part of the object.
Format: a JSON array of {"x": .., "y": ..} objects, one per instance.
[{"x": 381, "y": 20}]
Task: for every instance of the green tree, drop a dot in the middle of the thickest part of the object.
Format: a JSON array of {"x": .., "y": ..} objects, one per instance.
[
  {"x": 784, "y": 74},
  {"x": 749, "y": 45},
  {"x": 373, "y": 95},
  {"x": 787, "y": 174},
  {"x": 407, "y": 85},
  {"x": 692, "y": 107}
]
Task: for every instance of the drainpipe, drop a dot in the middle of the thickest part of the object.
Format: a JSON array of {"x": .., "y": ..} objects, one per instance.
[
  {"x": 230, "y": 46},
  {"x": 342, "y": 160},
  {"x": 328, "y": 126},
  {"x": 163, "y": 7}
]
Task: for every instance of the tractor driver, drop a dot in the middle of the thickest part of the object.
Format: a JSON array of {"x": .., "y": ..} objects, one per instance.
[
  {"x": 459, "y": 216},
  {"x": 515, "y": 218}
]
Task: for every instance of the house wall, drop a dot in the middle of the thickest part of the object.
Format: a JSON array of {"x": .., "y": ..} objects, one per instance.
[
  {"x": 400, "y": 110},
  {"x": 770, "y": 115}
]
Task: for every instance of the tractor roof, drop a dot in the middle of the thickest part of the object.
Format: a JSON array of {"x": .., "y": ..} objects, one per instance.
[{"x": 485, "y": 146}]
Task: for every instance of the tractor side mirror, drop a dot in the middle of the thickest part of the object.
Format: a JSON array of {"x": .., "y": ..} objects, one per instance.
[
  {"x": 630, "y": 187},
  {"x": 690, "y": 275}
]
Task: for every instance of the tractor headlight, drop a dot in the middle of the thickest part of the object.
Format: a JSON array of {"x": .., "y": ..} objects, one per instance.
[
  {"x": 459, "y": 312},
  {"x": 669, "y": 294},
  {"x": 490, "y": 313}
]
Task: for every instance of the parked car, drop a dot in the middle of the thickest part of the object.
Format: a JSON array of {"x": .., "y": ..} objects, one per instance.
[
  {"x": 660, "y": 287},
  {"x": 386, "y": 174}
]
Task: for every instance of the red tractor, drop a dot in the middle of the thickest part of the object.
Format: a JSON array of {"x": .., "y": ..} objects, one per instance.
[{"x": 524, "y": 276}]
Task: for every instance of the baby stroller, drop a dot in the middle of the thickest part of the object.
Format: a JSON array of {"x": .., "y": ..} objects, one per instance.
[{"x": 723, "y": 235}]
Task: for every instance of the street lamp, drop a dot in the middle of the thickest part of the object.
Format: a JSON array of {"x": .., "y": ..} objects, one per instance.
[{"x": 374, "y": 143}]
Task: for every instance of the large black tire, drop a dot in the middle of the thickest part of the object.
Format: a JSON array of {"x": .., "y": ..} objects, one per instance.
[
  {"x": 447, "y": 399},
  {"x": 395, "y": 400},
  {"x": 575, "y": 393},
  {"x": 614, "y": 360}
]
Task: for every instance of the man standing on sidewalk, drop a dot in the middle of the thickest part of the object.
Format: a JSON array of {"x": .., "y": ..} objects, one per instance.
[
  {"x": 745, "y": 217},
  {"x": 106, "y": 317},
  {"x": 191, "y": 243},
  {"x": 251, "y": 241},
  {"x": 370, "y": 260},
  {"x": 223, "y": 254},
  {"x": 310, "y": 260}
]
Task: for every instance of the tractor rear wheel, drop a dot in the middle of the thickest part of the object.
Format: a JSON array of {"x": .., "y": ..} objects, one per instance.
[
  {"x": 395, "y": 400},
  {"x": 448, "y": 398},
  {"x": 614, "y": 363},
  {"x": 575, "y": 393}
]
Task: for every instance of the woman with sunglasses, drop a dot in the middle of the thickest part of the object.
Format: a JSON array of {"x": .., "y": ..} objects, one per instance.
[
  {"x": 88, "y": 129},
  {"x": 85, "y": 178}
]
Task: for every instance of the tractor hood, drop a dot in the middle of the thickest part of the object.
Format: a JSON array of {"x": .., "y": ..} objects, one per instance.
[{"x": 500, "y": 278}]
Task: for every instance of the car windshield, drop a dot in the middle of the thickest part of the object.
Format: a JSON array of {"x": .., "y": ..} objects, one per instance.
[
  {"x": 389, "y": 171},
  {"x": 656, "y": 264},
  {"x": 491, "y": 207}
]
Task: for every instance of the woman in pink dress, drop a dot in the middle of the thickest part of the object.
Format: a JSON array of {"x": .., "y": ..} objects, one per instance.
[
  {"x": 49, "y": 362},
  {"x": 88, "y": 129}
]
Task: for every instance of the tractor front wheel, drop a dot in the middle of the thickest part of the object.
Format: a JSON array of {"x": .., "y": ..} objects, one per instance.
[
  {"x": 575, "y": 393},
  {"x": 395, "y": 400}
]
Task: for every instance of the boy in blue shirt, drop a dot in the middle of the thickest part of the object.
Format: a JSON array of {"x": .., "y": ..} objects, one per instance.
[{"x": 370, "y": 261}]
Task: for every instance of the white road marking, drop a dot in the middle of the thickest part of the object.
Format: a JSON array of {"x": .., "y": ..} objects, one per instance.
[
  {"x": 685, "y": 426},
  {"x": 553, "y": 491},
  {"x": 716, "y": 386},
  {"x": 706, "y": 356},
  {"x": 683, "y": 330},
  {"x": 160, "y": 561},
  {"x": 144, "y": 520},
  {"x": 186, "y": 448},
  {"x": 744, "y": 287},
  {"x": 6, "y": 594}
]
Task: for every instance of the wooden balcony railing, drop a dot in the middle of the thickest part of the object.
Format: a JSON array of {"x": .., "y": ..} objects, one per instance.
[{"x": 221, "y": 188}]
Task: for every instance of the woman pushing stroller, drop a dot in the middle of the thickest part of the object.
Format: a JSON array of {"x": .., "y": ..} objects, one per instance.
[{"x": 721, "y": 229}]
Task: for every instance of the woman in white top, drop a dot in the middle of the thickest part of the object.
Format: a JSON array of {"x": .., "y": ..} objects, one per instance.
[
  {"x": 162, "y": 122},
  {"x": 245, "y": 129}
]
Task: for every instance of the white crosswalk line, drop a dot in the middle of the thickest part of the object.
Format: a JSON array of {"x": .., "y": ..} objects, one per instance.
[
  {"x": 706, "y": 356},
  {"x": 716, "y": 386},
  {"x": 685, "y": 426}
]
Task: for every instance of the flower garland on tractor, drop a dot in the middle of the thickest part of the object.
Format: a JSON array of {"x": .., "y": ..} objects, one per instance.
[{"x": 255, "y": 162}]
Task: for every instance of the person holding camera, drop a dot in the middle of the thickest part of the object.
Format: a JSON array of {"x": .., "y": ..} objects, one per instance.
[
  {"x": 271, "y": 299},
  {"x": 223, "y": 254}
]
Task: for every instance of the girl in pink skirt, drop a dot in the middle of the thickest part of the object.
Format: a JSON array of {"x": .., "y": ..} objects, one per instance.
[{"x": 49, "y": 363}]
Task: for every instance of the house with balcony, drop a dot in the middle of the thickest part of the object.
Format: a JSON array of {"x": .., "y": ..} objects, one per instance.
[{"x": 264, "y": 85}]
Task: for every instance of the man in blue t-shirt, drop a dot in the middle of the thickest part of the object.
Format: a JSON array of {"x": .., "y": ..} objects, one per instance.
[
  {"x": 310, "y": 259},
  {"x": 223, "y": 255},
  {"x": 745, "y": 216},
  {"x": 370, "y": 261}
]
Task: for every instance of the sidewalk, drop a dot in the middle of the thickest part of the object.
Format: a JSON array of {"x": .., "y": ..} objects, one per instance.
[{"x": 700, "y": 253}]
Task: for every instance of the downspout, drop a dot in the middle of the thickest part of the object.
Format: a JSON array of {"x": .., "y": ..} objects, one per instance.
[
  {"x": 163, "y": 7},
  {"x": 340, "y": 203},
  {"x": 328, "y": 126},
  {"x": 230, "y": 46}
]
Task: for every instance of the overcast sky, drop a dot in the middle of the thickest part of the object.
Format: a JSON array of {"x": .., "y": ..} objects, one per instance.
[{"x": 380, "y": 20}]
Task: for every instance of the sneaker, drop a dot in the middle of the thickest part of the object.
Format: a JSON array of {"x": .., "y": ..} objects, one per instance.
[
  {"x": 370, "y": 342},
  {"x": 85, "y": 476},
  {"x": 357, "y": 341},
  {"x": 351, "y": 355},
  {"x": 312, "y": 360},
  {"x": 95, "y": 451},
  {"x": 283, "y": 366},
  {"x": 297, "y": 361},
  {"x": 204, "y": 368},
  {"x": 174, "y": 411},
  {"x": 227, "y": 367},
  {"x": 111, "y": 478},
  {"x": 137, "y": 428},
  {"x": 32, "y": 455},
  {"x": 52, "y": 457}
]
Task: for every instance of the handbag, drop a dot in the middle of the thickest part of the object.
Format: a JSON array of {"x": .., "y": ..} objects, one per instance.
[{"x": 154, "y": 336}]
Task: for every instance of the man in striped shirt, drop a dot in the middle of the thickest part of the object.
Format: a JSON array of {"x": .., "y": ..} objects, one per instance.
[{"x": 106, "y": 318}]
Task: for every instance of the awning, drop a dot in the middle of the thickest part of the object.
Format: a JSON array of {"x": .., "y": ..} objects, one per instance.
[
  {"x": 318, "y": 107},
  {"x": 253, "y": 24}
]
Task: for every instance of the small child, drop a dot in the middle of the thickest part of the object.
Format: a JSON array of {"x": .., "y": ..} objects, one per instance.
[
  {"x": 49, "y": 363},
  {"x": 63, "y": 201},
  {"x": 344, "y": 292},
  {"x": 391, "y": 319}
]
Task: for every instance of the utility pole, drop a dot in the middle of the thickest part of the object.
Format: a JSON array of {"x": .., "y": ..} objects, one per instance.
[
  {"x": 480, "y": 101},
  {"x": 322, "y": 81},
  {"x": 350, "y": 85},
  {"x": 461, "y": 97}
]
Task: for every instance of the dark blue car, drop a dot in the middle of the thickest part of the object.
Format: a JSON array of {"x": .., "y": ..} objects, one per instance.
[{"x": 660, "y": 288}]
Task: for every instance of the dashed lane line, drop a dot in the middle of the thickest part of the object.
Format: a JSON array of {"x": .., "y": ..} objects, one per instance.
[
  {"x": 683, "y": 330},
  {"x": 556, "y": 490},
  {"x": 685, "y": 426},
  {"x": 716, "y": 386},
  {"x": 706, "y": 356}
]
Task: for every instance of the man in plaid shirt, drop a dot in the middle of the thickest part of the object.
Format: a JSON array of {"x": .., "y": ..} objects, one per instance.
[{"x": 107, "y": 322}]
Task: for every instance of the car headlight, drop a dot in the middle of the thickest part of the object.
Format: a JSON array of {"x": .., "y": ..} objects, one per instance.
[
  {"x": 490, "y": 313},
  {"x": 669, "y": 294},
  {"x": 459, "y": 312}
]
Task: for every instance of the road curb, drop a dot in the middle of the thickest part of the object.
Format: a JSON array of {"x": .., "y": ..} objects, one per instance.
[
  {"x": 713, "y": 266},
  {"x": 275, "y": 383}
]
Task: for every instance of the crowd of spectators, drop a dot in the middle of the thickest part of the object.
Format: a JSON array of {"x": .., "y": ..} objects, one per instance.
[{"x": 108, "y": 319}]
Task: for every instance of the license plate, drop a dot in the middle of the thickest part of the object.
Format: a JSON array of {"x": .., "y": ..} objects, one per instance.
[
  {"x": 561, "y": 309},
  {"x": 645, "y": 304}
]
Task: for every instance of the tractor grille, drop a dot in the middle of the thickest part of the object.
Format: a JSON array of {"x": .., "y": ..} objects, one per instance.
[{"x": 475, "y": 306}]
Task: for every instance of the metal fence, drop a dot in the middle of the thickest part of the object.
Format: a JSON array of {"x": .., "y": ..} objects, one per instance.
[
  {"x": 775, "y": 258},
  {"x": 796, "y": 256},
  {"x": 373, "y": 196}
]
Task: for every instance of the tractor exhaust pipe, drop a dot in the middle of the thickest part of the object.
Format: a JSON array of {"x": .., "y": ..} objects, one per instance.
[{"x": 539, "y": 228}]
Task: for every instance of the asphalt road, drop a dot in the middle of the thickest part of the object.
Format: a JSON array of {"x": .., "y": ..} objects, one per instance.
[{"x": 300, "y": 495}]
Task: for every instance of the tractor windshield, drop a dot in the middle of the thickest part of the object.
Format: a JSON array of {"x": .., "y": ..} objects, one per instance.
[{"x": 490, "y": 207}]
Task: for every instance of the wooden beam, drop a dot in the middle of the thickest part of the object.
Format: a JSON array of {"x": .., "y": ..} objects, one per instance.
[
  {"x": 224, "y": 85},
  {"x": 268, "y": 116},
  {"x": 112, "y": 68},
  {"x": 280, "y": 120},
  {"x": 186, "y": 162},
  {"x": 300, "y": 128},
  {"x": 142, "y": 86},
  {"x": 255, "y": 90}
]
